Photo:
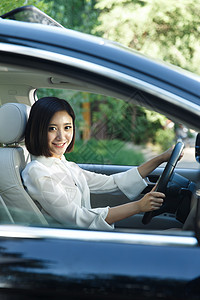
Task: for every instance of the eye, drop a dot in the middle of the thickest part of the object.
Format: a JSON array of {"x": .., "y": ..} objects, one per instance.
[
  {"x": 52, "y": 128},
  {"x": 68, "y": 127}
]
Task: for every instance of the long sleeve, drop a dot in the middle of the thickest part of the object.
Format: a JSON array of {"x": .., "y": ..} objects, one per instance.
[
  {"x": 63, "y": 190},
  {"x": 129, "y": 182},
  {"x": 60, "y": 197}
]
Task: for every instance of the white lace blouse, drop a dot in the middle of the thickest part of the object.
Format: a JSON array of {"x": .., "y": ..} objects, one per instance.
[{"x": 63, "y": 190}]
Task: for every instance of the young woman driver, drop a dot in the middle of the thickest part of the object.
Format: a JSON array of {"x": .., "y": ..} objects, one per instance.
[{"x": 62, "y": 189}]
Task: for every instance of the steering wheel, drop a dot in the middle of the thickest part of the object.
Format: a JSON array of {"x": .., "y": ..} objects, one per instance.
[{"x": 163, "y": 181}]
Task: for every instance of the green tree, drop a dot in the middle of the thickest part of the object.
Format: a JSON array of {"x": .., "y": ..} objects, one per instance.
[
  {"x": 78, "y": 15},
  {"x": 168, "y": 30}
]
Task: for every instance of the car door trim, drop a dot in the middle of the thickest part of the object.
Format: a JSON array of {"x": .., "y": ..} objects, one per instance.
[{"x": 136, "y": 237}]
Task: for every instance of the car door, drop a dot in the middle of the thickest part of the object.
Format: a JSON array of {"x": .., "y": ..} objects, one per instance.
[{"x": 48, "y": 262}]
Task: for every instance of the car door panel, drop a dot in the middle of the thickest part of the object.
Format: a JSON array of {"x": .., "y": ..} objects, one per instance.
[{"x": 48, "y": 263}]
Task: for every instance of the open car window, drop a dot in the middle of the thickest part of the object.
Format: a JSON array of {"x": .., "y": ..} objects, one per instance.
[
  {"x": 111, "y": 131},
  {"x": 113, "y": 135}
]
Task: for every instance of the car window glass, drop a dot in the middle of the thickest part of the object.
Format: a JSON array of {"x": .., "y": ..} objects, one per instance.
[{"x": 112, "y": 131}]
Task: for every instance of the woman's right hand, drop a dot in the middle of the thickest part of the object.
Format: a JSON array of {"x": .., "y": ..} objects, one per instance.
[{"x": 151, "y": 201}]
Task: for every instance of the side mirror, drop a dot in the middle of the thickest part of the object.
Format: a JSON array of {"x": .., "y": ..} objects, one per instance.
[{"x": 197, "y": 148}]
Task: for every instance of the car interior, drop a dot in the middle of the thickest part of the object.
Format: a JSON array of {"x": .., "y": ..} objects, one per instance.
[{"x": 18, "y": 88}]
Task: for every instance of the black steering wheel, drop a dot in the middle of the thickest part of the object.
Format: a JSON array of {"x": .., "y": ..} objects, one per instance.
[{"x": 163, "y": 181}]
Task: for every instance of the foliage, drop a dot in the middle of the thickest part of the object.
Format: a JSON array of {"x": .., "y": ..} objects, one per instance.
[
  {"x": 105, "y": 152},
  {"x": 6, "y": 6},
  {"x": 78, "y": 15},
  {"x": 126, "y": 121},
  {"x": 113, "y": 116},
  {"x": 165, "y": 138},
  {"x": 147, "y": 124},
  {"x": 168, "y": 30},
  {"x": 74, "y": 14}
]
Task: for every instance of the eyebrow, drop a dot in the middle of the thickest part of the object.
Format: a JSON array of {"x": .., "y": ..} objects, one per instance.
[{"x": 51, "y": 124}]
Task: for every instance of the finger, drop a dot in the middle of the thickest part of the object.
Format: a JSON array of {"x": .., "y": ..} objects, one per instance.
[
  {"x": 158, "y": 194},
  {"x": 157, "y": 205},
  {"x": 156, "y": 208},
  {"x": 158, "y": 200},
  {"x": 153, "y": 189},
  {"x": 181, "y": 155}
]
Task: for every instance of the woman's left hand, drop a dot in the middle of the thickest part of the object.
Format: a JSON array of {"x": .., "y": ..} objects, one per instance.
[{"x": 167, "y": 154}]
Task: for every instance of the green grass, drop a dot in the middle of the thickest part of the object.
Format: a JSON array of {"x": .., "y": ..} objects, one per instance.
[{"x": 113, "y": 152}]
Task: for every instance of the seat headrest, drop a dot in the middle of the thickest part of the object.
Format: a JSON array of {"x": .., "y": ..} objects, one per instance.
[{"x": 13, "y": 119}]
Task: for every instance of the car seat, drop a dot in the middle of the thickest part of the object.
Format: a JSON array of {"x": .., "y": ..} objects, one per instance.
[{"x": 16, "y": 204}]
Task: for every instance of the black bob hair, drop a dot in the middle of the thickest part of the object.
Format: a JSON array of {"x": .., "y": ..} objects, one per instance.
[{"x": 37, "y": 126}]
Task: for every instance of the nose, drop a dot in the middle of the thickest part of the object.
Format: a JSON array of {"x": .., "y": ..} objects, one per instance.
[{"x": 60, "y": 135}]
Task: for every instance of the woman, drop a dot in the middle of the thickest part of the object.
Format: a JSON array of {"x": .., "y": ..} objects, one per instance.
[{"x": 62, "y": 188}]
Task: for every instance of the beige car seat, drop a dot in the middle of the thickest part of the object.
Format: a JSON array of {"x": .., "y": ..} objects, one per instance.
[{"x": 16, "y": 206}]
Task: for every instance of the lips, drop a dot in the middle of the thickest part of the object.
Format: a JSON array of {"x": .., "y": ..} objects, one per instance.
[{"x": 61, "y": 145}]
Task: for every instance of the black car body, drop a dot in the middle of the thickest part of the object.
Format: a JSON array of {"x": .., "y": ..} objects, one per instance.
[{"x": 152, "y": 262}]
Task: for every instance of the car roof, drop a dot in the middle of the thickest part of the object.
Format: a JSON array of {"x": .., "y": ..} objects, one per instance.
[
  {"x": 90, "y": 47},
  {"x": 97, "y": 52}
]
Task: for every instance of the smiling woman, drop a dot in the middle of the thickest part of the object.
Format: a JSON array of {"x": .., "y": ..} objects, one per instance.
[
  {"x": 61, "y": 188},
  {"x": 44, "y": 119},
  {"x": 60, "y": 133}
]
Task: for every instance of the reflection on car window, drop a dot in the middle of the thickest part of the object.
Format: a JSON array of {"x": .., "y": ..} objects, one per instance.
[{"x": 112, "y": 131}]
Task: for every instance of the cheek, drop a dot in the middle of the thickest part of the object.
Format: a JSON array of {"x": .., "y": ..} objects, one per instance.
[
  {"x": 50, "y": 136},
  {"x": 70, "y": 134}
]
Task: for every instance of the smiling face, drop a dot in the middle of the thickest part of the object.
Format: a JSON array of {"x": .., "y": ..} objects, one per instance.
[{"x": 60, "y": 133}]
